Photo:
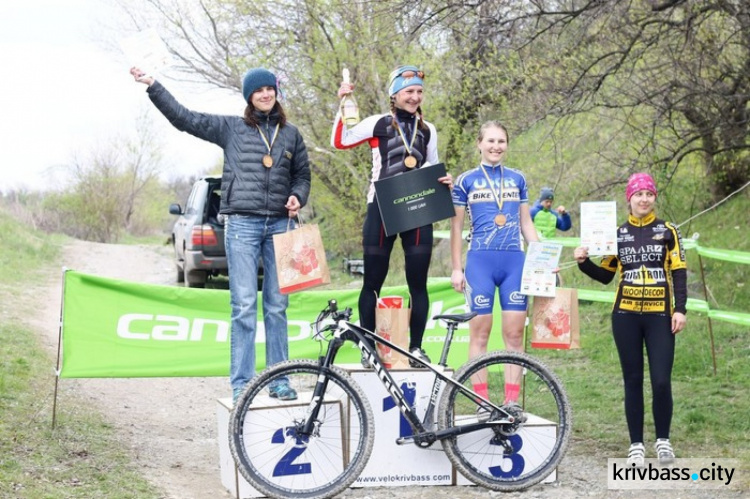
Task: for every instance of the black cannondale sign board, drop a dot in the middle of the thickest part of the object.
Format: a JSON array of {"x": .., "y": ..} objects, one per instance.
[{"x": 413, "y": 199}]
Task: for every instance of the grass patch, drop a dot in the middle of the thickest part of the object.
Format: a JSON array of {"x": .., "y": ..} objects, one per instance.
[
  {"x": 81, "y": 457},
  {"x": 710, "y": 412}
]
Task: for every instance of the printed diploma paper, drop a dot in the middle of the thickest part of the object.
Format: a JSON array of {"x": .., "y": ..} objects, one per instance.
[
  {"x": 538, "y": 278},
  {"x": 599, "y": 227},
  {"x": 146, "y": 50}
]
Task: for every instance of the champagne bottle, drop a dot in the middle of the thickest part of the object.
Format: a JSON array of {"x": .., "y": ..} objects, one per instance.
[{"x": 349, "y": 107}]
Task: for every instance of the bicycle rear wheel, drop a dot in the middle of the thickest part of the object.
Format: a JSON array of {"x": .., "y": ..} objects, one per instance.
[
  {"x": 273, "y": 453},
  {"x": 507, "y": 457}
]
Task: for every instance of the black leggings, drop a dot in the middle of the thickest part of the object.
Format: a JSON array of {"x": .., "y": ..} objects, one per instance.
[
  {"x": 630, "y": 332},
  {"x": 417, "y": 244}
]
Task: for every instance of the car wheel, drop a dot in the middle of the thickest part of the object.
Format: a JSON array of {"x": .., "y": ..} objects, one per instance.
[{"x": 195, "y": 279}]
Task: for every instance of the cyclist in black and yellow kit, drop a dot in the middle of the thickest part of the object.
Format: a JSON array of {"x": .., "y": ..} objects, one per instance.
[{"x": 649, "y": 308}]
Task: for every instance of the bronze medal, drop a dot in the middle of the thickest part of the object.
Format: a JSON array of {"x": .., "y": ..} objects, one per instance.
[
  {"x": 500, "y": 220},
  {"x": 267, "y": 158},
  {"x": 410, "y": 161}
]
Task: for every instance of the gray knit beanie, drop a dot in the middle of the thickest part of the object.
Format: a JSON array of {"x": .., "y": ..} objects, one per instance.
[{"x": 547, "y": 193}]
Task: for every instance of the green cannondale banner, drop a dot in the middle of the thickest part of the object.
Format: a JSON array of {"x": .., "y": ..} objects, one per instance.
[{"x": 115, "y": 328}]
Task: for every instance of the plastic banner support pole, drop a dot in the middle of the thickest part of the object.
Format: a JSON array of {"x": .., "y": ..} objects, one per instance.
[
  {"x": 708, "y": 316},
  {"x": 59, "y": 350}
]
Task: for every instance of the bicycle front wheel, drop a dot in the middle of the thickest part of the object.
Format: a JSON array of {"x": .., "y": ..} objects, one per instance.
[
  {"x": 504, "y": 456},
  {"x": 276, "y": 455}
]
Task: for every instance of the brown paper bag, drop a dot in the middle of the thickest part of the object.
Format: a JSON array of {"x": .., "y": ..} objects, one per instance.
[
  {"x": 393, "y": 325},
  {"x": 300, "y": 259},
  {"x": 555, "y": 320}
]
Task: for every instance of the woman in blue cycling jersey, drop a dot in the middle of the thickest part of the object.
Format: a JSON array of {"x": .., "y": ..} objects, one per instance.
[{"x": 496, "y": 199}]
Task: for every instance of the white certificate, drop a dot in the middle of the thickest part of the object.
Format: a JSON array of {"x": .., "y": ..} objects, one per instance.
[
  {"x": 147, "y": 51},
  {"x": 599, "y": 227},
  {"x": 538, "y": 278}
]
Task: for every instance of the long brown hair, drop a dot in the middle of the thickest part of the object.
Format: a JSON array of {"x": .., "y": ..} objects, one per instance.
[{"x": 252, "y": 120}]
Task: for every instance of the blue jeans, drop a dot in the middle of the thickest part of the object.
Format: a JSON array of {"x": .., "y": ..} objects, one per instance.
[{"x": 247, "y": 239}]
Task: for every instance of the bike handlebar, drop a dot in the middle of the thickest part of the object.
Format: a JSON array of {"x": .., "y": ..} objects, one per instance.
[{"x": 332, "y": 311}]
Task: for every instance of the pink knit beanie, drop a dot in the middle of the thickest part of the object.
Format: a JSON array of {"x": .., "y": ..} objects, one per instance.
[{"x": 640, "y": 182}]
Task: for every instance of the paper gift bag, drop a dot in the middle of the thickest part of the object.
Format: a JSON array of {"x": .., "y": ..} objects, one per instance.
[
  {"x": 555, "y": 320},
  {"x": 392, "y": 324},
  {"x": 300, "y": 259}
]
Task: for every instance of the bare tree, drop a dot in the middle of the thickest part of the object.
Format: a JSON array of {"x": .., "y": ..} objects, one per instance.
[
  {"x": 675, "y": 72},
  {"x": 306, "y": 43},
  {"x": 110, "y": 185}
]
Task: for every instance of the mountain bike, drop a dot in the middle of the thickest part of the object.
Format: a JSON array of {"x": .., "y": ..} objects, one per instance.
[{"x": 317, "y": 445}]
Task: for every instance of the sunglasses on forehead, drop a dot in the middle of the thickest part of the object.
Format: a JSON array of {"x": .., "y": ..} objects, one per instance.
[{"x": 411, "y": 74}]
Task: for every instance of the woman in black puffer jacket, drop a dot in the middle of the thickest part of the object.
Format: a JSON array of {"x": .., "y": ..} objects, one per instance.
[{"x": 266, "y": 180}]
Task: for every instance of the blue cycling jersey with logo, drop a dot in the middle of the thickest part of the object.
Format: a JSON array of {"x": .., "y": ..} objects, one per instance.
[{"x": 474, "y": 192}]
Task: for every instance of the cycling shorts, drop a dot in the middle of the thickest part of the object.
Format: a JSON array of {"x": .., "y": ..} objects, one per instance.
[{"x": 488, "y": 270}]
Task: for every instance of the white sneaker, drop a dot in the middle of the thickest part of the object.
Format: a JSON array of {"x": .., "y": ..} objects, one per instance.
[
  {"x": 664, "y": 451},
  {"x": 637, "y": 455}
]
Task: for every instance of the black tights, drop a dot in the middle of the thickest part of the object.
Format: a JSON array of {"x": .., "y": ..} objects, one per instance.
[
  {"x": 630, "y": 332},
  {"x": 417, "y": 245}
]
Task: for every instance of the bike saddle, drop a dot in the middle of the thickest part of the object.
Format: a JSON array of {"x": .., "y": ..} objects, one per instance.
[{"x": 456, "y": 317}]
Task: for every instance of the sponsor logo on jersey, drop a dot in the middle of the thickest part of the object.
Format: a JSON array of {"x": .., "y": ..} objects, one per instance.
[
  {"x": 482, "y": 301},
  {"x": 517, "y": 297},
  {"x": 642, "y": 306},
  {"x": 481, "y": 196},
  {"x": 654, "y": 306},
  {"x": 644, "y": 276},
  {"x": 643, "y": 292}
]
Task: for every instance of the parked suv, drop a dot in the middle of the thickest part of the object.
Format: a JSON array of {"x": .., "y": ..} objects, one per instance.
[{"x": 198, "y": 235}]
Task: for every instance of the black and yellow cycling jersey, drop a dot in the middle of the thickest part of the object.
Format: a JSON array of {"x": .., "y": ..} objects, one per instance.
[{"x": 653, "y": 271}]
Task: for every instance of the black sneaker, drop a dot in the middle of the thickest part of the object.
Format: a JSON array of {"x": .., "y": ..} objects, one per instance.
[{"x": 421, "y": 355}]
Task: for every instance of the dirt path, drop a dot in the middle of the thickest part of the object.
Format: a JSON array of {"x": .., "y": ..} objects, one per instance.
[{"x": 169, "y": 424}]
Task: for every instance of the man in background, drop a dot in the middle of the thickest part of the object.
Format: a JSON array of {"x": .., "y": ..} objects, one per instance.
[{"x": 546, "y": 220}]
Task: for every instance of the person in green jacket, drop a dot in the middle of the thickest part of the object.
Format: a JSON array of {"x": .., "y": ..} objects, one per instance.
[{"x": 546, "y": 220}]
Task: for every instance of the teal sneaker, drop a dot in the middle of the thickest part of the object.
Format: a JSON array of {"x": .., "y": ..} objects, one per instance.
[
  {"x": 236, "y": 392},
  {"x": 283, "y": 392}
]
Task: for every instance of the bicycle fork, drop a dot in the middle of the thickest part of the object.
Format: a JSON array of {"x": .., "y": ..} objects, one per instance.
[{"x": 321, "y": 385}]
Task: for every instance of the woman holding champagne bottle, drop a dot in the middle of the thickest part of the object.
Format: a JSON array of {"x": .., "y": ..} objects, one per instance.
[{"x": 400, "y": 140}]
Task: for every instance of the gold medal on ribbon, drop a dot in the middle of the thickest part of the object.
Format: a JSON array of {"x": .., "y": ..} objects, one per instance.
[
  {"x": 409, "y": 161},
  {"x": 267, "y": 158},
  {"x": 500, "y": 218}
]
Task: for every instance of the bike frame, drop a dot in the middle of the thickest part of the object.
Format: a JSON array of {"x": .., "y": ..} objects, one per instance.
[{"x": 347, "y": 331}]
